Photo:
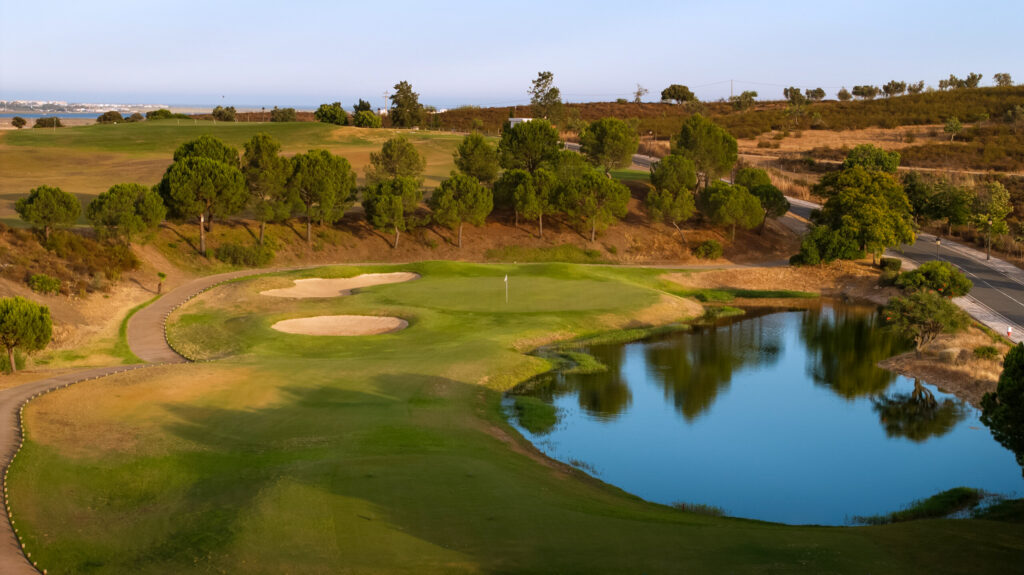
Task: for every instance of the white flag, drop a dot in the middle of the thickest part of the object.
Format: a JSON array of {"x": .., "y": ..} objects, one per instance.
[{"x": 506, "y": 278}]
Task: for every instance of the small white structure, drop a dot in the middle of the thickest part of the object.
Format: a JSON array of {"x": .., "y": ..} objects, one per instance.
[
  {"x": 382, "y": 112},
  {"x": 513, "y": 122}
]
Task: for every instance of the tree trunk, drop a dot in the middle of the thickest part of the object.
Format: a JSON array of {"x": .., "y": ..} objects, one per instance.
[
  {"x": 460, "y": 235},
  {"x": 764, "y": 221},
  {"x": 209, "y": 222},
  {"x": 541, "y": 220},
  {"x": 517, "y": 218},
  {"x": 396, "y": 237},
  {"x": 309, "y": 227},
  {"x": 263, "y": 225},
  {"x": 46, "y": 232},
  {"x": 593, "y": 230},
  {"x": 732, "y": 235},
  {"x": 10, "y": 357},
  {"x": 681, "y": 235},
  {"x": 202, "y": 234}
]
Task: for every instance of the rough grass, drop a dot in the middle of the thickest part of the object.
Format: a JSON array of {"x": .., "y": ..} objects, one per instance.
[
  {"x": 939, "y": 505},
  {"x": 535, "y": 414},
  {"x": 565, "y": 253},
  {"x": 389, "y": 453},
  {"x": 88, "y": 160}
]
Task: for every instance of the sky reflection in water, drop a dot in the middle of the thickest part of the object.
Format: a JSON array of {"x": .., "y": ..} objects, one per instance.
[{"x": 782, "y": 417}]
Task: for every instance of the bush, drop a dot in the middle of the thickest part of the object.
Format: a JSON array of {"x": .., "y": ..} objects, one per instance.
[
  {"x": 53, "y": 122},
  {"x": 136, "y": 117},
  {"x": 708, "y": 250},
  {"x": 986, "y": 352},
  {"x": 252, "y": 256},
  {"x": 890, "y": 264},
  {"x": 282, "y": 115},
  {"x": 888, "y": 278},
  {"x": 366, "y": 119},
  {"x": 5, "y": 363},
  {"x": 939, "y": 276},
  {"x": 18, "y": 122},
  {"x": 111, "y": 117},
  {"x": 42, "y": 283}
]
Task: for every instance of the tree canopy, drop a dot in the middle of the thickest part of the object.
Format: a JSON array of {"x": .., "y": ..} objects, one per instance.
[
  {"x": 872, "y": 158},
  {"x": 283, "y": 115},
  {"x": 196, "y": 186},
  {"x": 392, "y": 203},
  {"x": 924, "y": 315},
  {"x": 712, "y": 149},
  {"x": 545, "y": 98},
  {"x": 822, "y": 245},
  {"x": 592, "y": 200},
  {"x": 1003, "y": 410},
  {"x": 331, "y": 114},
  {"x": 870, "y": 206},
  {"x": 477, "y": 157},
  {"x": 24, "y": 325},
  {"x": 609, "y": 143},
  {"x": 207, "y": 146},
  {"x": 406, "y": 109},
  {"x": 266, "y": 176},
  {"x": 941, "y": 277},
  {"x": 679, "y": 93},
  {"x": 126, "y": 209},
  {"x": 325, "y": 184},
  {"x": 224, "y": 114},
  {"x": 111, "y": 117},
  {"x": 461, "y": 199},
  {"x": 773, "y": 203},
  {"x": 46, "y": 208},
  {"x": 398, "y": 157},
  {"x": 362, "y": 106},
  {"x": 671, "y": 201},
  {"x": 366, "y": 119},
  {"x": 18, "y": 122},
  {"x": 750, "y": 177},
  {"x": 528, "y": 144},
  {"x": 731, "y": 205}
]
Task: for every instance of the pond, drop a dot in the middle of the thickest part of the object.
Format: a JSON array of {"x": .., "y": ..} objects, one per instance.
[{"x": 778, "y": 416}]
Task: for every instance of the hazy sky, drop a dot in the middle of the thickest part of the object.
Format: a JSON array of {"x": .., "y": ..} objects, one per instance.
[{"x": 303, "y": 52}]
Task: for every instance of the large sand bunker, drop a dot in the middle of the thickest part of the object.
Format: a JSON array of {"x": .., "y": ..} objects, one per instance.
[
  {"x": 319, "y": 287},
  {"x": 341, "y": 325}
]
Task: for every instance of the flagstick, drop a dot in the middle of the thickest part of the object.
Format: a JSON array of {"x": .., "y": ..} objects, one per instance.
[{"x": 506, "y": 289}]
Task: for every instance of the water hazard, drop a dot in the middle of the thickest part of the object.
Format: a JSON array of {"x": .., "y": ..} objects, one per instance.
[{"x": 779, "y": 416}]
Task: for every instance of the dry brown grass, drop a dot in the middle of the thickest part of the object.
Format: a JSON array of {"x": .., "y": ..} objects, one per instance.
[
  {"x": 968, "y": 377},
  {"x": 127, "y": 413},
  {"x": 669, "y": 309}
]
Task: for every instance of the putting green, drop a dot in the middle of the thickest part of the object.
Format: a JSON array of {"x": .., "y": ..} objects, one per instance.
[{"x": 383, "y": 454}]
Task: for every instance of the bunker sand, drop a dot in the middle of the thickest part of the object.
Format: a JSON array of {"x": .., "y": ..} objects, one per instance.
[
  {"x": 319, "y": 287},
  {"x": 341, "y": 325}
]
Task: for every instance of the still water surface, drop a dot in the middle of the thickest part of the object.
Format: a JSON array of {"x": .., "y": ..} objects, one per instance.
[{"x": 781, "y": 416}]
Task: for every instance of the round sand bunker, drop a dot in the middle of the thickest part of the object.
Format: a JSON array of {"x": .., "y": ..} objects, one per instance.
[
  {"x": 320, "y": 287},
  {"x": 341, "y": 325}
]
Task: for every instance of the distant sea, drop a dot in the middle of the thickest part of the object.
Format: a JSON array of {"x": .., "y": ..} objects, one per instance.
[{"x": 67, "y": 115}]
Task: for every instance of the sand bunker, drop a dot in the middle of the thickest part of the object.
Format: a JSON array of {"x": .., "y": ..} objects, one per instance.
[
  {"x": 319, "y": 287},
  {"x": 341, "y": 325}
]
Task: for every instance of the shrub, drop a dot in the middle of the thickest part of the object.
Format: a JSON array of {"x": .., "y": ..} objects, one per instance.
[
  {"x": 366, "y": 119},
  {"x": 18, "y": 122},
  {"x": 42, "y": 283},
  {"x": 939, "y": 276},
  {"x": 251, "y": 256},
  {"x": 282, "y": 114},
  {"x": 53, "y": 122},
  {"x": 888, "y": 277},
  {"x": 986, "y": 352},
  {"x": 111, "y": 117},
  {"x": 708, "y": 250},
  {"x": 890, "y": 264}
]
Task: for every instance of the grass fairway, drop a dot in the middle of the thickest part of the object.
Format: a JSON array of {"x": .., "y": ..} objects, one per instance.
[
  {"x": 87, "y": 160},
  {"x": 389, "y": 453}
]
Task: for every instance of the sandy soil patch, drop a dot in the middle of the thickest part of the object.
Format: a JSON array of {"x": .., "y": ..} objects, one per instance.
[
  {"x": 320, "y": 287},
  {"x": 341, "y": 325}
]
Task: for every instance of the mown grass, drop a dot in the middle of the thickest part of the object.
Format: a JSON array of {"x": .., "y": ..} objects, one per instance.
[
  {"x": 121, "y": 347},
  {"x": 390, "y": 453}
]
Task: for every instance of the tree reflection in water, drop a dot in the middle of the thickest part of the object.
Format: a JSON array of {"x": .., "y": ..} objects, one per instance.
[
  {"x": 917, "y": 415},
  {"x": 695, "y": 370},
  {"x": 844, "y": 344}
]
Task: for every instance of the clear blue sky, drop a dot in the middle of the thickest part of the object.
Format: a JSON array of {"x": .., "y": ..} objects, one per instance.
[{"x": 303, "y": 52}]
